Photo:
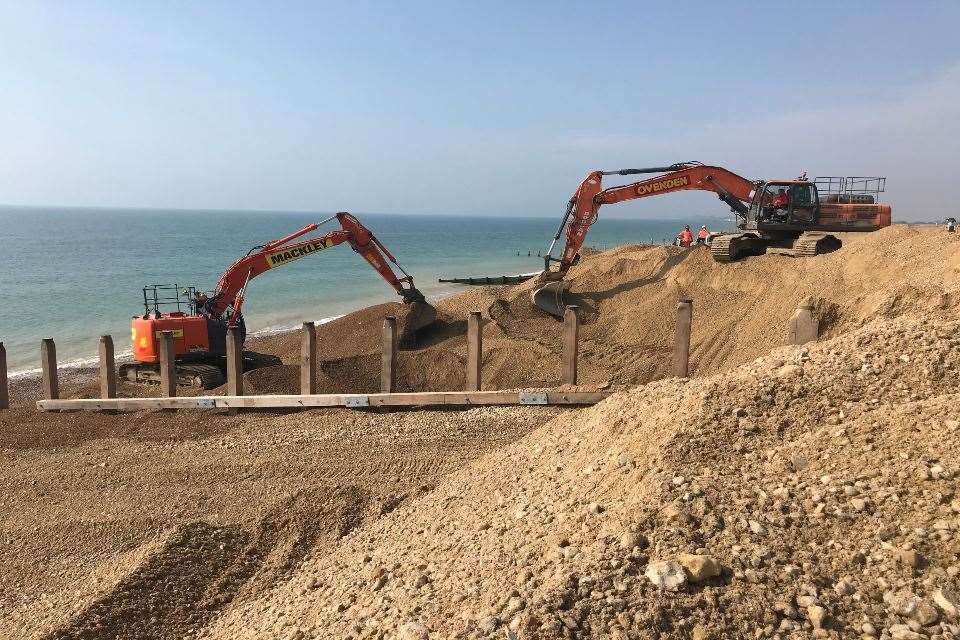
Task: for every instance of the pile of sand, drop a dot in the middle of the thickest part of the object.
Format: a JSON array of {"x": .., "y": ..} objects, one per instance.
[{"x": 812, "y": 491}]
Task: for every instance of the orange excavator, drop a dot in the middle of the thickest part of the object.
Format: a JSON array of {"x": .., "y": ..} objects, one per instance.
[
  {"x": 200, "y": 331},
  {"x": 791, "y": 217}
]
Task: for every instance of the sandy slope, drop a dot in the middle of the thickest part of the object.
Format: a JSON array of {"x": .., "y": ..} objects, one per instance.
[{"x": 821, "y": 478}]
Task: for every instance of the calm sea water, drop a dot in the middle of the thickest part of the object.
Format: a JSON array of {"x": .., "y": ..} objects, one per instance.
[{"x": 74, "y": 274}]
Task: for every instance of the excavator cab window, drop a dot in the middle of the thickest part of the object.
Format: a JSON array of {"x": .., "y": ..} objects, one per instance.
[
  {"x": 803, "y": 203},
  {"x": 786, "y": 203},
  {"x": 772, "y": 203}
]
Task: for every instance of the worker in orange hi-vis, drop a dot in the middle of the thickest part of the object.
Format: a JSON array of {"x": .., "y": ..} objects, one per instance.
[
  {"x": 686, "y": 236},
  {"x": 702, "y": 235}
]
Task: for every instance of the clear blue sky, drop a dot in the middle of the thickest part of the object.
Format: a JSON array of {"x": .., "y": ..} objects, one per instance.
[{"x": 467, "y": 108}]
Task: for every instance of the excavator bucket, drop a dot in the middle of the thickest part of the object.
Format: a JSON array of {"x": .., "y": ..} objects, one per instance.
[
  {"x": 551, "y": 297},
  {"x": 422, "y": 315}
]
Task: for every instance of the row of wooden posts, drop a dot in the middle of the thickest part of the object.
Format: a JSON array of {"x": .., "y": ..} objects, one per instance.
[
  {"x": 308, "y": 360},
  {"x": 803, "y": 328}
]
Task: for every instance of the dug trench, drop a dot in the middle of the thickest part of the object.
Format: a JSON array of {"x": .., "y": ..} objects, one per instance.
[{"x": 107, "y": 516}]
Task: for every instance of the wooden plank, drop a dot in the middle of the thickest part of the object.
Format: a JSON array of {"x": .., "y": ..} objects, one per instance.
[
  {"x": 48, "y": 362},
  {"x": 108, "y": 368},
  {"x": 308, "y": 358},
  {"x": 474, "y": 351},
  {"x": 168, "y": 366},
  {"x": 452, "y": 398},
  {"x": 448, "y": 398},
  {"x": 571, "y": 339},
  {"x": 681, "y": 344},
  {"x": 283, "y": 401},
  {"x": 234, "y": 362},
  {"x": 388, "y": 364},
  {"x": 125, "y": 404},
  {"x": 4, "y": 384}
]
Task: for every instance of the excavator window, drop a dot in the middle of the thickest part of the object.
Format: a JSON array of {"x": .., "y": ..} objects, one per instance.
[
  {"x": 773, "y": 203},
  {"x": 803, "y": 203}
]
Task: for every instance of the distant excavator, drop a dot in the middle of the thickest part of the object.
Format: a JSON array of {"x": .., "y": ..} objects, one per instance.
[
  {"x": 200, "y": 331},
  {"x": 791, "y": 217}
]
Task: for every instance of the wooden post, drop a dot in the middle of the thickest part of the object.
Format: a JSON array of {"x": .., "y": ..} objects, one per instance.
[
  {"x": 48, "y": 361},
  {"x": 571, "y": 338},
  {"x": 4, "y": 388},
  {"x": 168, "y": 366},
  {"x": 234, "y": 362},
  {"x": 108, "y": 369},
  {"x": 308, "y": 359},
  {"x": 474, "y": 351},
  {"x": 681, "y": 344},
  {"x": 388, "y": 364},
  {"x": 804, "y": 327}
]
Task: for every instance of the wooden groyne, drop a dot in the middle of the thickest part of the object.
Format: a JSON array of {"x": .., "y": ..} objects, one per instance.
[{"x": 803, "y": 328}]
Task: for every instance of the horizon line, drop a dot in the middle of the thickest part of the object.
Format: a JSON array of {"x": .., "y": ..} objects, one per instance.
[{"x": 331, "y": 212}]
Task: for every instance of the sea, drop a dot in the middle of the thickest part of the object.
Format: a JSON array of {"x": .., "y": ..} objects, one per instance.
[{"x": 74, "y": 274}]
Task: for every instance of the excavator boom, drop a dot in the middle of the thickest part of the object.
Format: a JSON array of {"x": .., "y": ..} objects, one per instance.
[
  {"x": 229, "y": 293},
  {"x": 590, "y": 196}
]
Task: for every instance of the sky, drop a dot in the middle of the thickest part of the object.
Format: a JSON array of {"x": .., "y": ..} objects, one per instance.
[{"x": 480, "y": 108}]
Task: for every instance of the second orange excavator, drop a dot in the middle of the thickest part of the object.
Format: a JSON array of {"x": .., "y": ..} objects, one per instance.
[
  {"x": 200, "y": 331},
  {"x": 793, "y": 217}
]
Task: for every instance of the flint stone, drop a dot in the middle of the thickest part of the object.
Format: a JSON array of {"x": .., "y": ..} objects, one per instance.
[{"x": 666, "y": 574}]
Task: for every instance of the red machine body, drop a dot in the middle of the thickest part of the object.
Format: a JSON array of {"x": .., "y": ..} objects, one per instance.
[{"x": 190, "y": 335}]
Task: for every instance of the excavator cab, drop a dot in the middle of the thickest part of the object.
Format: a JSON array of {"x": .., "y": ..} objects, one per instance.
[{"x": 781, "y": 202}]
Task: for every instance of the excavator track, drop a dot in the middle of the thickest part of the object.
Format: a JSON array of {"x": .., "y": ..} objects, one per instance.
[
  {"x": 733, "y": 246},
  {"x": 204, "y": 376},
  {"x": 199, "y": 375},
  {"x": 812, "y": 243}
]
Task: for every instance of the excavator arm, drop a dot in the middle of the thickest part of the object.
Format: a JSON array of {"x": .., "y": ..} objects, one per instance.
[
  {"x": 583, "y": 208},
  {"x": 231, "y": 288}
]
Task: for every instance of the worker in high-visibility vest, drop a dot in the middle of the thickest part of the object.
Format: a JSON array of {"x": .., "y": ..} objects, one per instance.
[
  {"x": 702, "y": 235},
  {"x": 686, "y": 236}
]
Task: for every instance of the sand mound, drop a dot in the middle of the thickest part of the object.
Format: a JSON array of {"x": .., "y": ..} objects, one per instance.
[
  {"x": 284, "y": 379},
  {"x": 810, "y": 489},
  {"x": 628, "y": 298}
]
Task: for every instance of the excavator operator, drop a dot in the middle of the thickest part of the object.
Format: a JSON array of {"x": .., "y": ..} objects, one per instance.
[
  {"x": 202, "y": 302},
  {"x": 779, "y": 203}
]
